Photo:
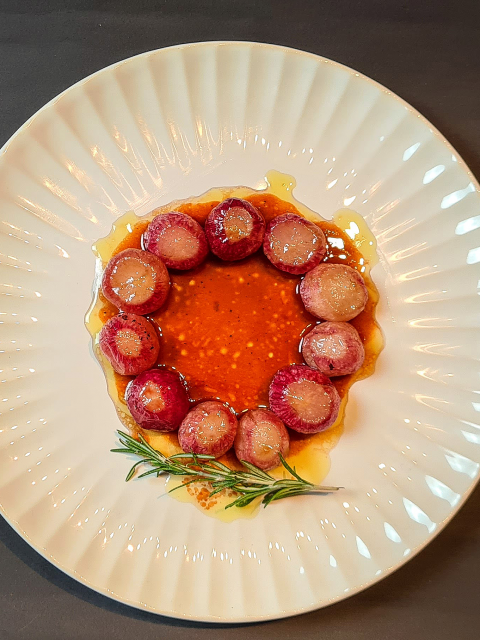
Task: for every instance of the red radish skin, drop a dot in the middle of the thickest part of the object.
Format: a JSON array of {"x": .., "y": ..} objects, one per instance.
[
  {"x": 209, "y": 428},
  {"x": 334, "y": 292},
  {"x": 304, "y": 399},
  {"x": 333, "y": 348},
  {"x": 157, "y": 400},
  {"x": 234, "y": 229},
  {"x": 130, "y": 343},
  {"x": 177, "y": 239},
  {"x": 136, "y": 281},
  {"x": 294, "y": 244},
  {"x": 261, "y": 437}
]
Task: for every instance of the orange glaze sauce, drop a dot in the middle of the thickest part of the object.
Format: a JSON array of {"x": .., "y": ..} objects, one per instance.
[{"x": 229, "y": 326}]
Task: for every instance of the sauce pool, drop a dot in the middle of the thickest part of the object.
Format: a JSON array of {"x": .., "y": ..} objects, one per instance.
[{"x": 229, "y": 326}]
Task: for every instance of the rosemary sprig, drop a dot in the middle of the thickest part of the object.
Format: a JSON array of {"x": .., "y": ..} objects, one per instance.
[{"x": 250, "y": 484}]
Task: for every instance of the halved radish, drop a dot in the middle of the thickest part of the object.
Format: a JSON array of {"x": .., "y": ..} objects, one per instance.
[
  {"x": 294, "y": 244},
  {"x": 334, "y": 348},
  {"x": 157, "y": 399},
  {"x": 136, "y": 281},
  {"x": 177, "y": 239},
  {"x": 130, "y": 343},
  {"x": 334, "y": 292},
  {"x": 209, "y": 428},
  {"x": 234, "y": 229},
  {"x": 304, "y": 399},
  {"x": 261, "y": 437}
]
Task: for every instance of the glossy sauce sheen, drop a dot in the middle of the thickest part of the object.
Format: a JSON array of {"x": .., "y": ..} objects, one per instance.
[{"x": 229, "y": 326}]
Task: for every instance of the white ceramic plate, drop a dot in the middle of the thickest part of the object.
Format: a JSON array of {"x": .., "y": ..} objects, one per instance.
[{"x": 171, "y": 124}]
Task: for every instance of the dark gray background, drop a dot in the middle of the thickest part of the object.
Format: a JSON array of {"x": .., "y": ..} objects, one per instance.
[{"x": 428, "y": 53}]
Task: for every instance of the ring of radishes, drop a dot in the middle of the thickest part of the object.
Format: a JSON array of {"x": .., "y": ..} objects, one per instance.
[{"x": 302, "y": 397}]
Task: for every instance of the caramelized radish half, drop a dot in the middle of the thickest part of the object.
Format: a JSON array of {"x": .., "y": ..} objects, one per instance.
[
  {"x": 209, "y": 428},
  {"x": 304, "y": 399},
  {"x": 334, "y": 292},
  {"x": 130, "y": 343},
  {"x": 234, "y": 229},
  {"x": 157, "y": 399},
  {"x": 294, "y": 244},
  {"x": 136, "y": 281},
  {"x": 334, "y": 348},
  {"x": 261, "y": 437},
  {"x": 177, "y": 239}
]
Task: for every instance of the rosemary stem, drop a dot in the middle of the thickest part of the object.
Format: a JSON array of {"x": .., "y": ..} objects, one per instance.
[{"x": 250, "y": 483}]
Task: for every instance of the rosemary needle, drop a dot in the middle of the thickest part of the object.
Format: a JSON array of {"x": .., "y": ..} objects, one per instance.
[{"x": 250, "y": 484}]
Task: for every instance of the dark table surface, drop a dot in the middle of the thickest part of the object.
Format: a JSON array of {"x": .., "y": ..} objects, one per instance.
[{"x": 428, "y": 53}]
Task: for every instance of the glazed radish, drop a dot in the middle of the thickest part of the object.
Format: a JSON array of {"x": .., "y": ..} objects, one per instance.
[
  {"x": 234, "y": 229},
  {"x": 334, "y": 348},
  {"x": 294, "y": 244},
  {"x": 304, "y": 399},
  {"x": 209, "y": 428},
  {"x": 177, "y": 239},
  {"x": 261, "y": 436},
  {"x": 130, "y": 343},
  {"x": 157, "y": 400},
  {"x": 334, "y": 292},
  {"x": 136, "y": 281}
]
